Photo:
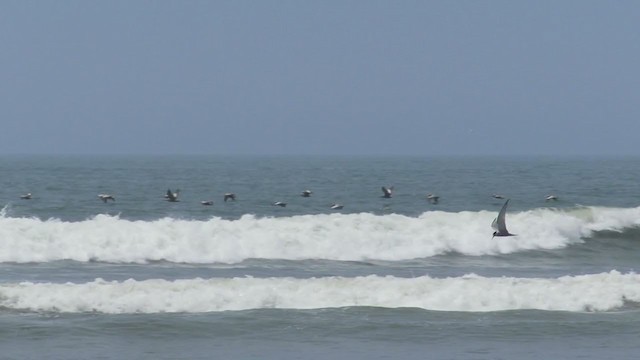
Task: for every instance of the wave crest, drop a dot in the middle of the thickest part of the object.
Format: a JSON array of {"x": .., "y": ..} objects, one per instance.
[
  {"x": 346, "y": 237},
  {"x": 470, "y": 293}
]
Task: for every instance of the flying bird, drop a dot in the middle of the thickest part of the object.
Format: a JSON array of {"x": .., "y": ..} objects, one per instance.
[
  {"x": 551, "y": 198},
  {"x": 336, "y": 206},
  {"x": 26, "y": 196},
  {"x": 386, "y": 192},
  {"x": 497, "y": 196},
  {"x": 229, "y": 196},
  {"x": 106, "y": 197},
  {"x": 499, "y": 224},
  {"x": 172, "y": 196},
  {"x": 306, "y": 193},
  {"x": 433, "y": 198},
  {"x": 207, "y": 203},
  {"x": 280, "y": 203}
]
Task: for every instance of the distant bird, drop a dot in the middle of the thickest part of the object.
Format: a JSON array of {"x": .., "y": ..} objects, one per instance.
[
  {"x": 499, "y": 224},
  {"x": 433, "y": 198},
  {"x": 280, "y": 203},
  {"x": 26, "y": 196},
  {"x": 105, "y": 197},
  {"x": 306, "y": 193},
  {"x": 229, "y": 196},
  {"x": 172, "y": 196},
  {"x": 498, "y": 196},
  {"x": 207, "y": 203},
  {"x": 551, "y": 198},
  {"x": 336, "y": 206},
  {"x": 386, "y": 191}
]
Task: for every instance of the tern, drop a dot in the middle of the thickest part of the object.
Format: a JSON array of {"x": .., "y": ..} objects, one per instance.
[
  {"x": 105, "y": 197},
  {"x": 306, "y": 193},
  {"x": 433, "y": 198},
  {"x": 499, "y": 224},
  {"x": 336, "y": 206},
  {"x": 551, "y": 198},
  {"x": 387, "y": 192},
  {"x": 172, "y": 196},
  {"x": 26, "y": 196},
  {"x": 207, "y": 203},
  {"x": 280, "y": 203}
]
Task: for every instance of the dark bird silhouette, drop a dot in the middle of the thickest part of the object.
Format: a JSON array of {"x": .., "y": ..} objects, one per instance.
[
  {"x": 306, "y": 193},
  {"x": 229, "y": 196}
]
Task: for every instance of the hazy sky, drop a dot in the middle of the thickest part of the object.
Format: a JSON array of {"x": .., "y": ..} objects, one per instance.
[{"x": 320, "y": 77}]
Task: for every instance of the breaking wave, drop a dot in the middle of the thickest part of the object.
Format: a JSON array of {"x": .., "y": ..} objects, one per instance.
[
  {"x": 346, "y": 237},
  {"x": 470, "y": 293}
]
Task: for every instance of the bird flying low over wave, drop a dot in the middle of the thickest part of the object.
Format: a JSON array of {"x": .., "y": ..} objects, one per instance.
[
  {"x": 172, "y": 196},
  {"x": 336, "y": 206},
  {"x": 433, "y": 198},
  {"x": 207, "y": 202},
  {"x": 306, "y": 193},
  {"x": 387, "y": 192},
  {"x": 229, "y": 196},
  {"x": 26, "y": 196},
  {"x": 551, "y": 198},
  {"x": 499, "y": 224},
  {"x": 497, "y": 196},
  {"x": 105, "y": 197},
  {"x": 280, "y": 203}
]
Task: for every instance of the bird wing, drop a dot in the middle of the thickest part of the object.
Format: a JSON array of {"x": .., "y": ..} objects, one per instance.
[
  {"x": 494, "y": 224},
  {"x": 499, "y": 223}
]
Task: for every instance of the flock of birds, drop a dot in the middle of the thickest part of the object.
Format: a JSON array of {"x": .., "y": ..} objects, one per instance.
[{"x": 499, "y": 223}]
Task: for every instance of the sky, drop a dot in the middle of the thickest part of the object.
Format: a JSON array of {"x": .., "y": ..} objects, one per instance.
[{"x": 425, "y": 78}]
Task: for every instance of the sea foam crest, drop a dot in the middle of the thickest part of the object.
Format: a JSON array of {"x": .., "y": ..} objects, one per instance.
[
  {"x": 349, "y": 237},
  {"x": 472, "y": 293}
]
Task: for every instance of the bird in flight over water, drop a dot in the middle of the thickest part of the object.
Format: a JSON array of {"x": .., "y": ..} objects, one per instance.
[
  {"x": 172, "y": 196},
  {"x": 499, "y": 224},
  {"x": 105, "y": 197}
]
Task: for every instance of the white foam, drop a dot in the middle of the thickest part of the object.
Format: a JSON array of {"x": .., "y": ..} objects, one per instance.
[
  {"x": 350, "y": 237},
  {"x": 471, "y": 293}
]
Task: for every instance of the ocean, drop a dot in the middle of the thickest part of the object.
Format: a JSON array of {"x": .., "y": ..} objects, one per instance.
[{"x": 382, "y": 278}]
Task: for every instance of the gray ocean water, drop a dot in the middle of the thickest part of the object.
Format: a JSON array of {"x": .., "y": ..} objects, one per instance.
[{"x": 397, "y": 278}]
